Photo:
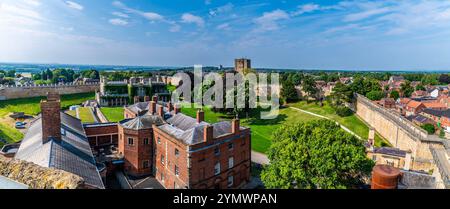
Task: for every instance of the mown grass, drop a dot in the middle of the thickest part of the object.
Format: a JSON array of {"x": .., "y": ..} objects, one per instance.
[
  {"x": 261, "y": 129},
  {"x": 351, "y": 122},
  {"x": 31, "y": 105},
  {"x": 9, "y": 134},
  {"x": 85, "y": 115},
  {"x": 113, "y": 114}
]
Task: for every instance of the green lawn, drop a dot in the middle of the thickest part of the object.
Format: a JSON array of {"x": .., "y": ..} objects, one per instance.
[
  {"x": 113, "y": 114},
  {"x": 10, "y": 134},
  {"x": 262, "y": 130},
  {"x": 210, "y": 116},
  {"x": 351, "y": 122},
  {"x": 31, "y": 105},
  {"x": 86, "y": 115},
  {"x": 72, "y": 113}
]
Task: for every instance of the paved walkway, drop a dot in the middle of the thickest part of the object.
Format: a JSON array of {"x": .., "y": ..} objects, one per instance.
[
  {"x": 260, "y": 158},
  {"x": 321, "y": 116}
]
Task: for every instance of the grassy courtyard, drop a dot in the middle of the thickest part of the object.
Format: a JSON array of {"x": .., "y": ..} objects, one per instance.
[
  {"x": 85, "y": 115},
  {"x": 261, "y": 129},
  {"x": 9, "y": 134},
  {"x": 113, "y": 114},
  {"x": 31, "y": 105},
  {"x": 351, "y": 122}
]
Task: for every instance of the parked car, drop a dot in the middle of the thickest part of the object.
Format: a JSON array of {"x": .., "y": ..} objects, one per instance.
[{"x": 20, "y": 125}]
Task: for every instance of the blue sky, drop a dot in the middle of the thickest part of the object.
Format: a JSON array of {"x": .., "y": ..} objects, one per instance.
[{"x": 322, "y": 34}]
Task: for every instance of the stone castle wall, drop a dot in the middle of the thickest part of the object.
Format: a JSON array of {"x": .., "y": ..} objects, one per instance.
[
  {"x": 398, "y": 131},
  {"x": 16, "y": 92}
]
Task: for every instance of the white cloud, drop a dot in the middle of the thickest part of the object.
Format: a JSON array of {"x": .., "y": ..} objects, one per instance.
[
  {"x": 224, "y": 26},
  {"x": 74, "y": 5},
  {"x": 120, "y": 14},
  {"x": 306, "y": 8},
  {"x": 222, "y": 9},
  {"x": 118, "y": 21},
  {"x": 175, "y": 28},
  {"x": 366, "y": 14},
  {"x": 152, "y": 16},
  {"x": 268, "y": 21},
  {"x": 33, "y": 2},
  {"x": 190, "y": 18}
]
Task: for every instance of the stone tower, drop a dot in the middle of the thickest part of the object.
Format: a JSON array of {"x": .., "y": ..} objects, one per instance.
[{"x": 241, "y": 64}]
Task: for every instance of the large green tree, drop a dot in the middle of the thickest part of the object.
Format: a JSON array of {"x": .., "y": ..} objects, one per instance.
[
  {"x": 288, "y": 92},
  {"x": 315, "y": 154}
]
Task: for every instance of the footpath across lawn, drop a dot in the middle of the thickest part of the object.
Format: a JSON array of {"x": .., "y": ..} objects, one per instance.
[
  {"x": 351, "y": 122},
  {"x": 261, "y": 129}
]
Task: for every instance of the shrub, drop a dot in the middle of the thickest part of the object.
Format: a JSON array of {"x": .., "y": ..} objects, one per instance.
[
  {"x": 375, "y": 95},
  {"x": 429, "y": 128},
  {"x": 343, "y": 111}
]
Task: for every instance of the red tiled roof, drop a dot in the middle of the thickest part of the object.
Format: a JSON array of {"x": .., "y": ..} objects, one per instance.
[{"x": 414, "y": 104}]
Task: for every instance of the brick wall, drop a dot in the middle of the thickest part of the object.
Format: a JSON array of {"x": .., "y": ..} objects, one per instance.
[
  {"x": 137, "y": 153},
  {"x": 102, "y": 135}
]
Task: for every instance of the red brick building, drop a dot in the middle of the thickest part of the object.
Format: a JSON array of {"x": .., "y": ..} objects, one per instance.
[
  {"x": 184, "y": 152},
  {"x": 191, "y": 153}
]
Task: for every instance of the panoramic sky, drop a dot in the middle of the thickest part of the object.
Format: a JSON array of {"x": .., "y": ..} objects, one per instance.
[{"x": 321, "y": 34}]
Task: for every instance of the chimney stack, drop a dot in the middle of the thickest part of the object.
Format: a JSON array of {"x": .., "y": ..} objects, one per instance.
[
  {"x": 147, "y": 99},
  {"x": 208, "y": 133},
  {"x": 161, "y": 111},
  {"x": 51, "y": 118},
  {"x": 177, "y": 109},
  {"x": 235, "y": 126},
  {"x": 152, "y": 107},
  {"x": 155, "y": 99},
  {"x": 136, "y": 99},
  {"x": 169, "y": 107},
  {"x": 200, "y": 116}
]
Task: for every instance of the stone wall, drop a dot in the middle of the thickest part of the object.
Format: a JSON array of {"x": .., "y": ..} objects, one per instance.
[
  {"x": 16, "y": 92},
  {"x": 37, "y": 177},
  {"x": 398, "y": 131}
]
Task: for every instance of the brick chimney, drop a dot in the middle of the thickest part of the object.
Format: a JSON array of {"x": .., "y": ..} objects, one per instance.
[
  {"x": 136, "y": 99},
  {"x": 161, "y": 111},
  {"x": 200, "y": 116},
  {"x": 155, "y": 99},
  {"x": 177, "y": 109},
  {"x": 235, "y": 126},
  {"x": 152, "y": 107},
  {"x": 147, "y": 99},
  {"x": 169, "y": 106},
  {"x": 208, "y": 133},
  {"x": 51, "y": 118}
]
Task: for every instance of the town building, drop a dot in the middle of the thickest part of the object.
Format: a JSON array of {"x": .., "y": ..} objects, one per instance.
[{"x": 130, "y": 91}]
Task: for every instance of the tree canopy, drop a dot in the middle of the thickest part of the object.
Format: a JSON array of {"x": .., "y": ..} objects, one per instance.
[{"x": 315, "y": 154}]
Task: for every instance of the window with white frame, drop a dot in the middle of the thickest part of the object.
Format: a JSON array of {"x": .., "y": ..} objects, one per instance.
[
  {"x": 230, "y": 181},
  {"x": 230, "y": 162},
  {"x": 217, "y": 168}
]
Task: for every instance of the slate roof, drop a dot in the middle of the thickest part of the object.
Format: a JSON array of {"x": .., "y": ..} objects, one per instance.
[
  {"x": 186, "y": 128},
  {"x": 438, "y": 113},
  {"x": 390, "y": 151},
  {"x": 142, "y": 107},
  {"x": 73, "y": 154},
  {"x": 142, "y": 122}
]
